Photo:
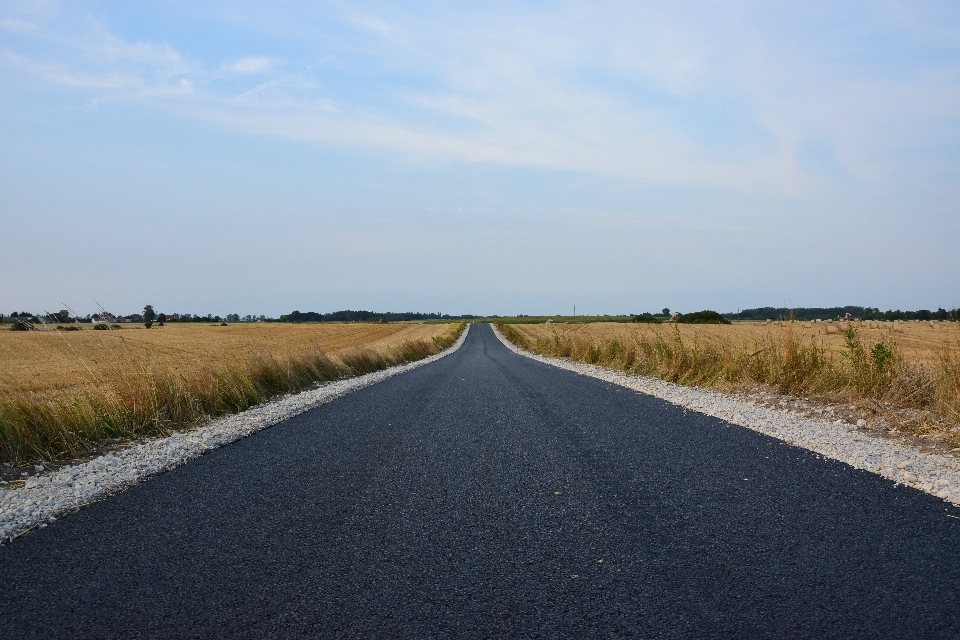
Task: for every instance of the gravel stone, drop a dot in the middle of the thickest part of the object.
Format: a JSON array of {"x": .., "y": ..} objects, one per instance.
[
  {"x": 934, "y": 474},
  {"x": 66, "y": 490}
]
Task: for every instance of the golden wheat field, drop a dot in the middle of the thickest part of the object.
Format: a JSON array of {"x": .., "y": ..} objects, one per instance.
[
  {"x": 919, "y": 342},
  {"x": 46, "y": 359}
]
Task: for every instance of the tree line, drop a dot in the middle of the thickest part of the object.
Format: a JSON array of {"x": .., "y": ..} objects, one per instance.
[
  {"x": 366, "y": 316},
  {"x": 825, "y": 313}
]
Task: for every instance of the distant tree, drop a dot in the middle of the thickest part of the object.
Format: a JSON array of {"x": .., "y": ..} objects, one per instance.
[
  {"x": 61, "y": 316},
  {"x": 702, "y": 317},
  {"x": 665, "y": 312},
  {"x": 149, "y": 315}
]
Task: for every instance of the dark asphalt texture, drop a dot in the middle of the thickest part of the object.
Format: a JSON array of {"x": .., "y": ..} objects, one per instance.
[{"x": 476, "y": 497}]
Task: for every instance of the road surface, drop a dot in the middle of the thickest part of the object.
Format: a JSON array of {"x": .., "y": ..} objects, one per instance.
[{"x": 488, "y": 495}]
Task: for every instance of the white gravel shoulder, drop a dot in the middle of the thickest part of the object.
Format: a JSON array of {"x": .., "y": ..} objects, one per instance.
[
  {"x": 47, "y": 497},
  {"x": 935, "y": 474}
]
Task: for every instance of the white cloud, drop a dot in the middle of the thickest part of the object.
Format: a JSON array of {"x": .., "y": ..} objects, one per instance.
[
  {"x": 99, "y": 60},
  {"x": 56, "y": 73},
  {"x": 180, "y": 88},
  {"x": 720, "y": 96},
  {"x": 16, "y": 25},
  {"x": 253, "y": 65}
]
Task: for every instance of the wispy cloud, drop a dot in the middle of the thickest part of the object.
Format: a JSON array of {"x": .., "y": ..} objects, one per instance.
[
  {"x": 254, "y": 65},
  {"x": 94, "y": 58},
  {"x": 16, "y": 25},
  {"x": 57, "y": 74},
  {"x": 725, "y": 95}
]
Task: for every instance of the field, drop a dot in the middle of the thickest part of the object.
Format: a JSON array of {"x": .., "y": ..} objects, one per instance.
[
  {"x": 920, "y": 342},
  {"x": 62, "y": 392},
  {"x": 899, "y": 377},
  {"x": 44, "y": 360}
]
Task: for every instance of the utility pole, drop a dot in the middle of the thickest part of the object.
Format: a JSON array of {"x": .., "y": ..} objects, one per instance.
[{"x": 574, "y": 311}]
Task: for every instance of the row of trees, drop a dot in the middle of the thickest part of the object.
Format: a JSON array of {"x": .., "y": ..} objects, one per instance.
[
  {"x": 697, "y": 317},
  {"x": 58, "y": 317},
  {"x": 148, "y": 317},
  {"x": 366, "y": 316},
  {"x": 824, "y": 313},
  {"x": 230, "y": 317}
]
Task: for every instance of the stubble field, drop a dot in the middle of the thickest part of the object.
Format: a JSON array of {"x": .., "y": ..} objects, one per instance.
[
  {"x": 919, "y": 341},
  {"x": 45, "y": 360}
]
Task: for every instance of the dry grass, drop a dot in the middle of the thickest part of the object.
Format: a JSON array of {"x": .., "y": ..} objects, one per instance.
[
  {"x": 63, "y": 392},
  {"x": 908, "y": 374}
]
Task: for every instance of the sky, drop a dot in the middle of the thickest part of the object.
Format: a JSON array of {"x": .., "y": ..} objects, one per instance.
[{"x": 484, "y": 158}]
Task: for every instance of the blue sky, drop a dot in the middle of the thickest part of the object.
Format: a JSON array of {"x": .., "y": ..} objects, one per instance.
[{"x": 489, "y": 158}]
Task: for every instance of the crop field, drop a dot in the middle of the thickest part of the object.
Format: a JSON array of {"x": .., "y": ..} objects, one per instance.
[
  {"x": 61, "y": 392},
  {"x": 905, "y": 376},
  {"x": 44, "y": 360},
  {"x": 919, "y": 342}
]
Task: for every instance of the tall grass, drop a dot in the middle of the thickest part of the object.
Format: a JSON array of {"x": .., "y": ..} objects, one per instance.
[
  {"x": 130, "y": 399},
  {"x": 876, "y": 372}
]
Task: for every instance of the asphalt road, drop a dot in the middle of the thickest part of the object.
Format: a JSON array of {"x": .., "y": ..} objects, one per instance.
[{"x": 488, "y": 495}]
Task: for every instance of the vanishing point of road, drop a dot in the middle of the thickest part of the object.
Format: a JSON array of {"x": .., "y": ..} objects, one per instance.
[{"x": 488, "y": 495}]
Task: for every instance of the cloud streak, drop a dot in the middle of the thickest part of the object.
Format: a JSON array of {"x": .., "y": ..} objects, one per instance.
[
  {"x": 724, "y": 96},
  {"x": 254, "y": 64}
]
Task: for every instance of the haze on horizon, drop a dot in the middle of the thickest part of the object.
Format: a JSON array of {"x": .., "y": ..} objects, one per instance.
[{"x": 256, "y": 157}]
